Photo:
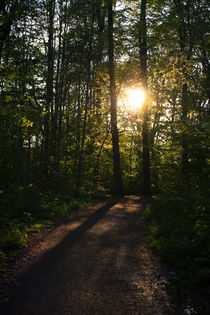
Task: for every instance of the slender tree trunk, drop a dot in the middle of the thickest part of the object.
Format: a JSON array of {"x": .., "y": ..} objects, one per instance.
[
  {"x": 97, "y": 163},
  {"x": 206, "y": 68},
  {"x": 143, "y": 70},
  {"x": 78, "y": 127},
  {"x": 49, "y": 83},
  {"x": 186, "y": 46},
  {"x": 185, "y": 144},
  {"x": 100, "y": 12},
  {"x": 100, "y": 18},
  {"x": 118, "y": 185},
  {"x": 87, "y": 101},
  {"x": 184, "y": 101},
  {"x": 7, "y": 19},
  {"x": 54, "y": 113}
]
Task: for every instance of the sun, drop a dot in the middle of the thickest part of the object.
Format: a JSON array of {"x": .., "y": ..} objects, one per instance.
[{"x": 135, "y": 98}]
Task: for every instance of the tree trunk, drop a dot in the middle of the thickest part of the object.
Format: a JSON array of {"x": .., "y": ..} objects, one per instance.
[
  {"x": 186, "y": 46},
  {"x": 143, "y": 70},
  {"x": 49, "y": 83},
  {"x": 87, "y": 101},
  {"x": 78, "y": 125},
  {"x": 118, "y": 186},
  {"x": 54, "y": 113},
  {"x": 7, "y": 19}
]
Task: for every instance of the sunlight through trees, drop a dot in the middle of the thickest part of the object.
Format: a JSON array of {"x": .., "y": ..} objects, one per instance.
[{"x": 70, "y": 71}]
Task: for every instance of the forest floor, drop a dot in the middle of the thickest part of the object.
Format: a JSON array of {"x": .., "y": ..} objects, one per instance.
[{"x": 96, "y": 262}]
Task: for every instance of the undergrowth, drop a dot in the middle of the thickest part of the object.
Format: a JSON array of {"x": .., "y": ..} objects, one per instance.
[
  {"x": 179, "y": 230},
  {"x": 26, "y": 216}
]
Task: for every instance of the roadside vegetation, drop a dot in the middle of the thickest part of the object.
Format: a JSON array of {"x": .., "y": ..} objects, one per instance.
[
  {"x": 28, "y": 213},
  {"x": 178, "y": 228}
]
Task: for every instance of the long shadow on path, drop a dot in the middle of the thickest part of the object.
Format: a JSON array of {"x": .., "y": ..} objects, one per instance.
[{"x": 46, "y": 276}]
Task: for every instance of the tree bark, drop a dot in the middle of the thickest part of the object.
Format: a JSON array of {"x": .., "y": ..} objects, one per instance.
[
  {"x": 186, "y": 46},
  {"x": 144, "y": 81},
  {"x": 87, "y": 101},
  {"x": 49, "y": 83},
  {"x": 118, "y": 185},
  {"x": 8, "y": 19}
]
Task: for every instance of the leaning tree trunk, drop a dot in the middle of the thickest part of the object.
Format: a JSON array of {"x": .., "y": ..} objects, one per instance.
[
  {"x": 143, "y": 70},
  {"x": 118, "y": 186}
]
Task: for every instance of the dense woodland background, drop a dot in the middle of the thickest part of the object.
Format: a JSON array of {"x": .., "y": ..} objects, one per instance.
[{"x": 64, "y": 140}]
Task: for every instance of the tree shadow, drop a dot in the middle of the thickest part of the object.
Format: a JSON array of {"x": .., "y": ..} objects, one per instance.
[
  {"x": 48, "y": 265},
  {"x": 93, "y": 270}
]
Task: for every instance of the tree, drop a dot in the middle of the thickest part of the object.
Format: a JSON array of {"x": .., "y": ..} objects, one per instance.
[
  {"x": 118, "y": 186},
  {"x": 58, "y": 130},
  {"x": 143, "y": 72}
]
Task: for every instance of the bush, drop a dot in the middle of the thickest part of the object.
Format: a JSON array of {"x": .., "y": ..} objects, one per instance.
[
  {"x": 14, "y": 237},
  {"x": 179, "y": 229},
  {"x": 16, "y": 223},
  {"x": 2, "y": 260},
  {"x": 74, "y": 204},
  {"x": 58, "y": 208}
]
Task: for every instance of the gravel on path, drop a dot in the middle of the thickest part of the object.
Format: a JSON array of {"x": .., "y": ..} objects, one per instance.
[{"x": 96, "y": 262}]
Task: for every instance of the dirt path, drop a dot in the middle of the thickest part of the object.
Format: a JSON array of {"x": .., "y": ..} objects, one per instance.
[{"x": 95, "y": 263}]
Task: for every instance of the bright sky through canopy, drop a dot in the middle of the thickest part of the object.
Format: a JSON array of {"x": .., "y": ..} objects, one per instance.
[{"x": 135, "y": 98}]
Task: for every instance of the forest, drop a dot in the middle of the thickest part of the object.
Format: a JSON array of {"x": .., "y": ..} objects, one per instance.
[{"x": 101, "y": 98}]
